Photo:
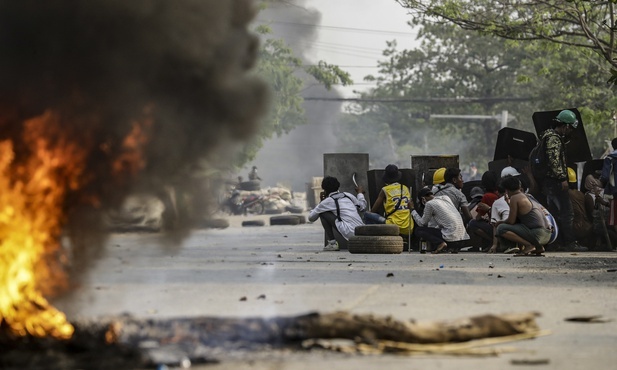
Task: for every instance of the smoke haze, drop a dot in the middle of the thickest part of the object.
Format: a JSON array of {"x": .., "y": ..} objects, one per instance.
[
  {"x": 178, "y": 68},
  {"x": 293, "y": 159}
]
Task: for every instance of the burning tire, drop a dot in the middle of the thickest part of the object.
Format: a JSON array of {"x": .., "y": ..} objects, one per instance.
[
  {"x": 284, "y": 220},
  {"x": 375, "y": 244},
  {"x": 253, "y": 223},
  {"x": 377, "y": 230}
]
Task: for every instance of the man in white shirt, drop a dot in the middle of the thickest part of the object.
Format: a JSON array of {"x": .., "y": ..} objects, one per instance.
[
  {"x": 338, "y": 210},
  {"x": 440, "y": 211},
  {"x": 452, "y": 185}
]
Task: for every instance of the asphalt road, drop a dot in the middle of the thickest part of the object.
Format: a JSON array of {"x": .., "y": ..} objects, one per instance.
[{"x": 281, "y": 270}]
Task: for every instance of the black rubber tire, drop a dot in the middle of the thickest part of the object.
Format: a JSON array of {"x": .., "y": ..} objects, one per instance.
[
  {"x": 250, "y": 185},
  {"x": 273, "y": 211},
  {"x": 284, "y": 220},
  {"x": 294, "y": 209},
  {"x": 215, "y": 223},
  {"x": 377, "y": 230},
  {"x": 301, "y": 218},
  {"x": 365, "y": 244},
  {"x": 254, "y": 223}
]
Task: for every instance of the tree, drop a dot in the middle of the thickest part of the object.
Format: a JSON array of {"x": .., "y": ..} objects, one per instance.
[
  {"x": 501, "y": 74},
  {"x": 284, "y": 72},
  {"x": 583, "y": 24},
  {"x": 447, "y": 64}
]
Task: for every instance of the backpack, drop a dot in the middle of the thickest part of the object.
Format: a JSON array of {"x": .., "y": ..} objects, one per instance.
[{"x": 538, "y": 161}]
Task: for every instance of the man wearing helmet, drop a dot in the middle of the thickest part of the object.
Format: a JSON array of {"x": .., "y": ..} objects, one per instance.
[{"x": 555, "y": 185}]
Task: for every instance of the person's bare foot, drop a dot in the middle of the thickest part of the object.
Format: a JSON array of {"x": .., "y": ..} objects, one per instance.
[
  {"x": 528, "y": 249},
  {"x": 440, "y": 248},
  {"x": 538, "y": 251}
]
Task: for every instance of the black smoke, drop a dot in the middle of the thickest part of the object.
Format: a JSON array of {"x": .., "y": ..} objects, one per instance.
[
  {"x": 295, "y": 158},
  {"x": 100, "y": 65}
]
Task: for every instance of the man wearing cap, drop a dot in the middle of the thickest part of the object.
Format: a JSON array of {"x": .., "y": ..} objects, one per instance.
[
  {"x": 395, "y": 200},
  {"x": 440, "y": 211},
  {"x": 338, "y": 210},
  {"x": 555, "y": 185}
]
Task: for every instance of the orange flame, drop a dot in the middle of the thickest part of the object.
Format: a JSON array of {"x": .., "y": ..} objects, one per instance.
[{"x": 33, "y": 192}]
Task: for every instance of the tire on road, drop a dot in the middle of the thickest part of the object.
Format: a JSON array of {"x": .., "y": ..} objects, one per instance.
[
  {"x": 214, "y": 223},
  {"x": 377, "y": 230},
  {"x": 273, "y": 211},
  {"x": 365, "y": 244},
  {"x": 294, "y": 209},
  {"x": 284, "y": 220},
  {"x": 253, "y": 223}
]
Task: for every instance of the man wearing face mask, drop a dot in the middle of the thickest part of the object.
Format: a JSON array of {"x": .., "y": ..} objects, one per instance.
[{"x": 555, "y": 185}]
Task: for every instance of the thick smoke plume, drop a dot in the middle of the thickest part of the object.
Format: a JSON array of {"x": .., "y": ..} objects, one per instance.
[
  {"x": 99, "y": 66},
  {"x": 295, "y": 158}
]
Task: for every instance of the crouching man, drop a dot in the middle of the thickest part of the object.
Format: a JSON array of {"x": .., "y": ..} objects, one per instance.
[
  {"x": 338, "y": 211},
  {"x": 440, "y": 223},
  {"x": 526, "y": 224}
]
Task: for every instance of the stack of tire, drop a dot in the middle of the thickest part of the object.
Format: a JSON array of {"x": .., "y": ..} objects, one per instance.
[{"x": 376, "y": 239}]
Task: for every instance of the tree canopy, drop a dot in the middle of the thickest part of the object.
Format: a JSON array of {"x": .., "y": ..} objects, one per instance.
[
  {"x": 583, "y": 24},
  {"x": 287, "y": 76},
  {"x": 494, "y": 73}
]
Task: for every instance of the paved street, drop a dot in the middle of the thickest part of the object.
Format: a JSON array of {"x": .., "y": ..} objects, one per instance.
[{"x": 281, "y": 270}]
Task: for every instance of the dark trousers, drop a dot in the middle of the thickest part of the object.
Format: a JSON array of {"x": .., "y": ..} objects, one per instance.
[
  {"x": 328, "y": 221},
  {"x": 430, "y": 234},
  {"x": 559, "y": 205}
]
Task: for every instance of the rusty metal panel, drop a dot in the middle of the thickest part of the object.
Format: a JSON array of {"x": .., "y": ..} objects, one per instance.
[{"x": 425, "y": 166}]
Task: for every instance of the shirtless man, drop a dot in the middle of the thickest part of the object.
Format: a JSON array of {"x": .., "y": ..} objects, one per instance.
[{"x": 526, "y": 224}]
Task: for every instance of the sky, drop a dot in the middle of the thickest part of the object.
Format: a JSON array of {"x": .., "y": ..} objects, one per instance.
[
  {"x": 349, "y": 33},
  {"x": 353, "y": 34}
]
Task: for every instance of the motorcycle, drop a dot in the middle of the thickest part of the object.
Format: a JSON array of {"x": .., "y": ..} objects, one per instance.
[{"x": 237, "y": 205}]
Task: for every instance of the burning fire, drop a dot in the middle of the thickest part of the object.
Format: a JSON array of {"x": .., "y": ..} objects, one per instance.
[{"x": 37, "y": 173}]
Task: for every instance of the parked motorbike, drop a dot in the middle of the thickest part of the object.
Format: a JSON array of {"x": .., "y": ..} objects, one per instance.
[{"x": 238, "y": 205}]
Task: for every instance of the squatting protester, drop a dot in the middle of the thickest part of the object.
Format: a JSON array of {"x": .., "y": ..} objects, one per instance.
[
  {"x": 338, "y": 211},
  {"x": 439, "y": 211},
  {"x": 526, "y": 224},
  {"x": 395, "y": 199}
]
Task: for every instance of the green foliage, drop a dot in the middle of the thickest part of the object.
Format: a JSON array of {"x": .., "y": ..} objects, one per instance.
[
  {"x": 582, "y": 24},
  {"x": 285, "y": 74},
  {"x": 329, "y": 74},
  {"x": 453, "y": 63}
]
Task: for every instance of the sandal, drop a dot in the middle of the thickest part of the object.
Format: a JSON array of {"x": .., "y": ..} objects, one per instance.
[
  {"x": 440, "y": 249},
  {"x": 526, "y": 251}
]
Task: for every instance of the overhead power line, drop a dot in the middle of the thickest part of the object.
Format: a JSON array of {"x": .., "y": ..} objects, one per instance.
[
  {"x": 422, "y": 100},
  {"x": 362, "y": 30}
]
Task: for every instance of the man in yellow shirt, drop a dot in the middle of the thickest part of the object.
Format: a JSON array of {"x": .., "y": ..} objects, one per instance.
[{"x": 395, "y": 199}]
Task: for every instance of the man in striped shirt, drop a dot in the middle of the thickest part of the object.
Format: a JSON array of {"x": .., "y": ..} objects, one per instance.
[{"x": 438, "y": 210}]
